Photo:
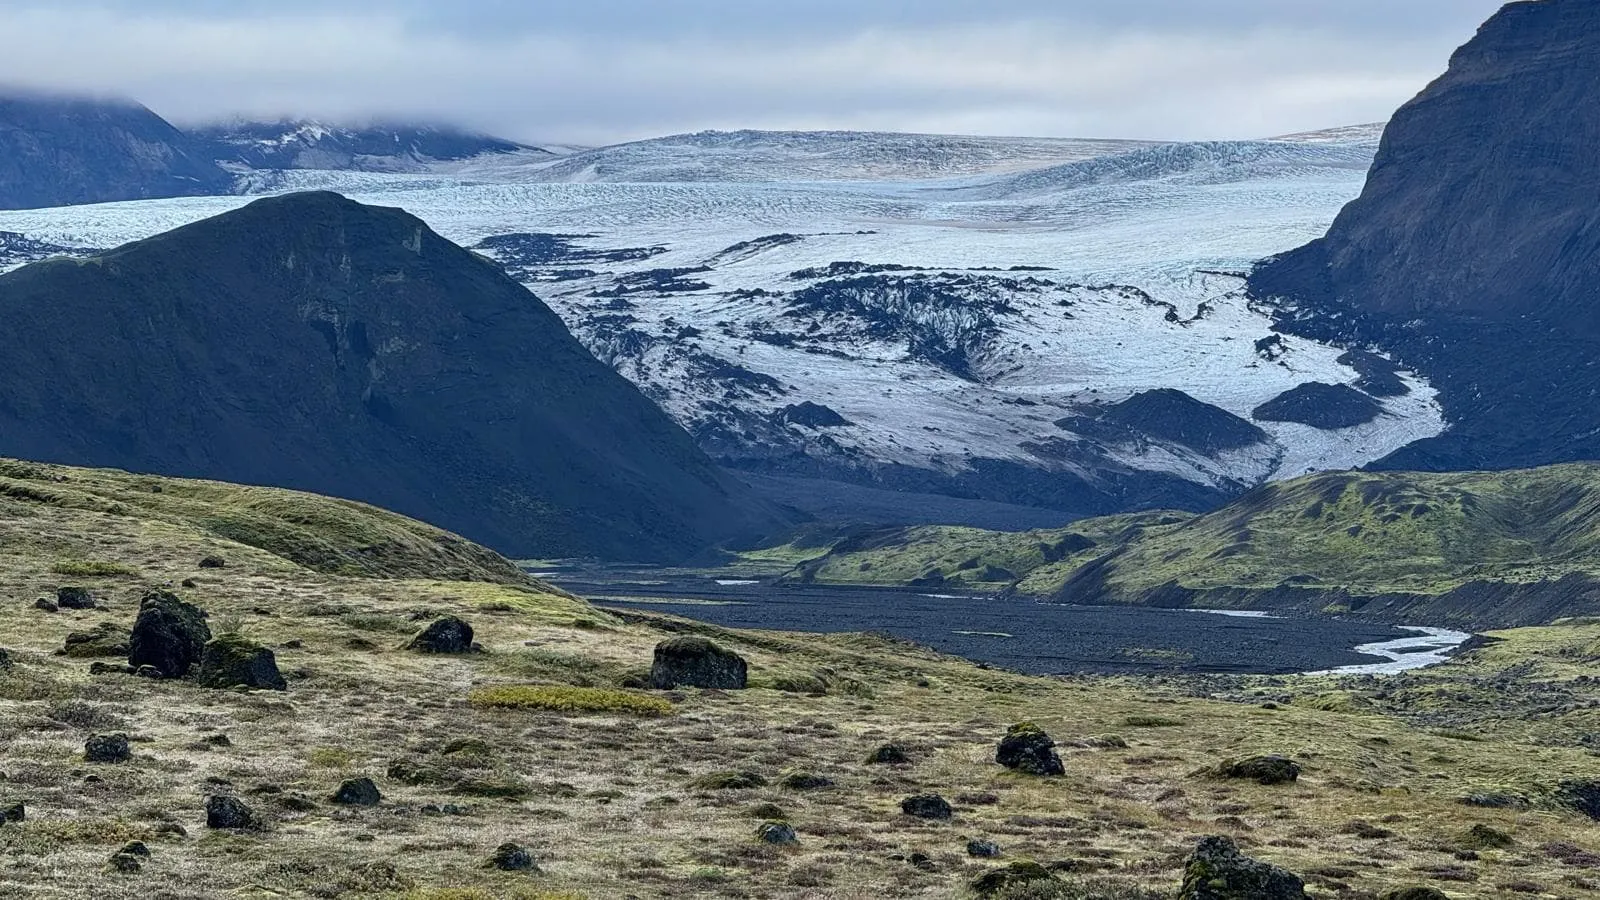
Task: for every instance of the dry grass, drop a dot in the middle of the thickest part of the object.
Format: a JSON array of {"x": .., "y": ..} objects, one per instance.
[
  {"x": 610, "y": 803},
  {"x": 567, "y": 699}
]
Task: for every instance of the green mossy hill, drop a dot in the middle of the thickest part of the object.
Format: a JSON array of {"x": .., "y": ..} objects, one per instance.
[
  {"x": 336, "y": 537},
  {"x": 311, "y": 342},
  {"x": 1478, "y": 549},
  {"x": 957, "y": 556}
]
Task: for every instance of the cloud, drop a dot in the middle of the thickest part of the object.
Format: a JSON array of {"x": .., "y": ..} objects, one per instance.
[{"x": 609, "y": 70}]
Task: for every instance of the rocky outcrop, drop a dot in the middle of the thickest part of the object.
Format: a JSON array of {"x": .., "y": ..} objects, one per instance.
[
  {"x": 308, "y": 341},
  {"x": 235, "y": 661},
  {"x": 697, "y": 662},
  {"x": 169, "y": 635},
  {"x": 447, "y": 635},
  {"x": 1474, "y": 252},
  {"x": 1026, "y": 748},
  {"x": 1218, "y": 871},
  {"x": 59, "y": 151}
]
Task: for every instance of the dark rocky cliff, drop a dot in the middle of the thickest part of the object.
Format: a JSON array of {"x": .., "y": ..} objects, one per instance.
[
  {"x": 309, "y": 341},
  {"x": 1474, "y": 251},
  {"x": 58, "y": 151}
]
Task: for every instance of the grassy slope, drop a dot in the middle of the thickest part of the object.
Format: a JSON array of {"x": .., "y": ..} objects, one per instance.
[
  {"x": 608, "y": 801},
  {"x": 1360, "y": 533}
]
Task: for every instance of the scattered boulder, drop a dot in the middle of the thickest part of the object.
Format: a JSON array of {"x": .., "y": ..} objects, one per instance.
[
  {"x": 446, "y": 635},
  {"x": 104, "y": 668},
  {"x": 697, "y": 662},
  {"x": 1017, "y": 875},
  {"x": 233, "y": 660},
  {"x": 150, "y": 672},
  {"x": 1268, "y": 770},
  {"x": 1218, "y": 871},
  {"x": 16, "y": 812},
  {"x": 510, "y": 857},
  {"x": 1414, "y": 893},
  {"x": 223, "y": 811},
  {"x": 107, "y": 748},
  {"x": 136, "y": 848},
  {"x": 357, "y": 792},
  {"x": 729, "y": 781},
  {"x": 46, "y": 604},
  {"x": 169, "y": 635},
  {"x": 776, "y": 832},
  {"x": 889, "y": 755},
  {"x": 983, "y": 849},
  {"x": 213, "y": 562},
  {"x": 74, "y": 598},
  {"x": 1026, "y": 748},
  {"x": 6, "y": 663},
  {"x": 103, "y": 640},
  {"x": 927, "y": 806},
  {"x": 126, "y": 863}
]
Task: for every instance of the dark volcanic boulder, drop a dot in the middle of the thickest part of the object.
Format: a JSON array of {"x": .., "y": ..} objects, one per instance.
[
  {"x": 810, "y": 415},
  {"x": 1218, "y": 871},
  {"x": 697, "y": 662},
  {"x": 59, "y": 151},
  {"x": 357, "y": 792},
  {"x": 107, "y": 748},
  {"x": 509, "y": 857},
  {"x": 446, "y": 635},
  {"x": 1026, "y": 748},
  {"x": 229, "y": 812},
  {"x": 1414, "y": 893},
  {"x": 1581, "y": 795},
  {"x": 927, "y": 806},
  {"x": 169, "y": 635},
  {"x": 311, "y": 342},
  {"x": 74, "y": 598},
  {"x": 232, "y": 660},
  {"x": 104, "y": 640},
  {"x": 1267, "y": 770},
  {"x": 1015, "y": 877},
  {"x": 1473, "y": 254}
]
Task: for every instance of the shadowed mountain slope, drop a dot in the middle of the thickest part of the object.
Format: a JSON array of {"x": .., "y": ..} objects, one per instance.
[{"x": 309, "y": 341}]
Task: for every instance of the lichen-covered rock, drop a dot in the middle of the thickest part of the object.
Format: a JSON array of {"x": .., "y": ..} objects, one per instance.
[
  {"x": 699, "y": 663},
  {"x": 233, "y": 660},
  {"x": 1218, "y": 871},
  {"x": 927, "y": 806},
  {"x": 983, "y": 849},
  {"x": 213, "y": 561},
  {"x": 74, "y": 598},
  {"x": 776, "y": 832},
  {"x": 104, "y": 640},
  {"x": 223, "y": 811},
  {"x": 46, "y": 604},
  {"x": 1026, "y": 748},
  {"x": 357, "y": 792},
  {"x": 107, "y": 748},
  {"x": 446, "y": 635},
  {"x": 1580, "y": 795},
  {"x": 510, "y": 857},
  {"x": 169, "y": 635},
  {"x": 1268, "y": 770}
]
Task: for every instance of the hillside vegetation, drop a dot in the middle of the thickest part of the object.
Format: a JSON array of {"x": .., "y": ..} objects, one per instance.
[
  {"x": 549, "y": 739},
  {"x": 1479, "y": 549}
]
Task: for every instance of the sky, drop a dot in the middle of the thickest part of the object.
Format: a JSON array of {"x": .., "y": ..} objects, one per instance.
[{"x": 593, "y": 72}]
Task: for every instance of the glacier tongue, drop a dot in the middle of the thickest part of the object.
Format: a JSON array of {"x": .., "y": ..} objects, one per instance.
[{"x": 976, "y": 336}]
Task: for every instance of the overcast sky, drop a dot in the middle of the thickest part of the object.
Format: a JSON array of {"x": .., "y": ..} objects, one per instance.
[{"x": 599, "y": 71}]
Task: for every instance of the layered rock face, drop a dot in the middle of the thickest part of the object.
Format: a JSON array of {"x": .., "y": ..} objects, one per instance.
[
  {"x": 1474, "y": 251},
  {"x": 309, "y": 341},
  {"x": 57, "y": 151}
]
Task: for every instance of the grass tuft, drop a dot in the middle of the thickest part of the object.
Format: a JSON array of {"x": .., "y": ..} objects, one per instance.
[{"x": 567, "y": 699}]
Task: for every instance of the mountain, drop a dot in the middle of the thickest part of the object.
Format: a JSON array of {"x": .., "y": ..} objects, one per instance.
[
  {"x": 301, "y": 144},
  {"x": 309, "y": 341},
  {"x": 1476, "y": 550},
  {"x": 60, "y": 150},
  {"x": 1473, "y": 254},
  {"x": 1009, "y": 350}
]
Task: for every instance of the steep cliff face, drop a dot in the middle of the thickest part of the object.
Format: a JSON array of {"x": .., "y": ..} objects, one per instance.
[
  {"x": 1474, "y": 251},
  {"x": 309, "y": 341},
  {"x": 57, "y": 151}
]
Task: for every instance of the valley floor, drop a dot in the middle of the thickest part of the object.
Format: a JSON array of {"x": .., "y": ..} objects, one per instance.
[{"x": 614, "y": 804}]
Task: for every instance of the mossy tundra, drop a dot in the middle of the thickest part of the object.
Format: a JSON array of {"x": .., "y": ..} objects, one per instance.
[{"x": 613, "y": 804}]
